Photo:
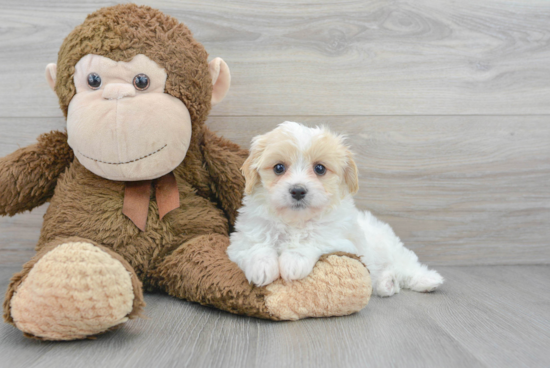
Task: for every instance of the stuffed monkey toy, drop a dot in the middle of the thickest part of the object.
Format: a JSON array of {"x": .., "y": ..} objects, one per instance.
[{"x": 142, "y": 195}]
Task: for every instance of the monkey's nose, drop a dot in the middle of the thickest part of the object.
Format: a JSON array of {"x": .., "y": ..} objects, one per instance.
[
  {"x": 298, "y": 192},
  {"x": 115, "y": 91}
]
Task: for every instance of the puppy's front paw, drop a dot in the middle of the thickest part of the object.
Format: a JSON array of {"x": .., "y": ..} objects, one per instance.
[
  {"x": 295, "y": 266},
  {"x": 262, "y": 269}
]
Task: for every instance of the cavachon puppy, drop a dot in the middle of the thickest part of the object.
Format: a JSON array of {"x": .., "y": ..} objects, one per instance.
[{"x": 298, "y": 206}]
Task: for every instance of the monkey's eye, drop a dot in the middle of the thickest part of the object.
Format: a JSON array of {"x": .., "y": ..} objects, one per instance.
[
  {"x": 279, "y": 169},
  {"x": 141, "y": 82},
  {"x": 320, "y": 169},
  {"x": 94, "y": 80}
]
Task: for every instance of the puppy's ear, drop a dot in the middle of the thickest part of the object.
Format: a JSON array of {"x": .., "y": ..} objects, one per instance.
[
  {"x": 350, "y": 174},
  {"x": 250, "y": 175},
  {"x": 250, "y": 166}
]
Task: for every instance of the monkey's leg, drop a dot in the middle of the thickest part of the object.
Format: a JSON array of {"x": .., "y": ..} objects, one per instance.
[
  {"x": 200, "y": 271},
  {"x": 72, "y": 289}
]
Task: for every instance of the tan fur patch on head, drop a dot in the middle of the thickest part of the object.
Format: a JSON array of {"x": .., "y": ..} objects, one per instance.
[
  {"x": 330, "y": 150},
  {"x": 74, "y": 291},
  {"x": 337, "y": 286},
  {"x": 284, "y": 151},
  {"x": 265, "y": 152}
]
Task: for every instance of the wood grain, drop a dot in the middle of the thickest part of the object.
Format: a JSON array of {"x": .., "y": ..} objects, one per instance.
[
  {"x": 457, "y": 190},
  {"x": 413, "y": 57},
  {"x": 486, "y": 316}
]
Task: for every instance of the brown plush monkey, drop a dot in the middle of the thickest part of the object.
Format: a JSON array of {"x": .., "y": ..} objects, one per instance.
[{"x": 142, "y": 193}]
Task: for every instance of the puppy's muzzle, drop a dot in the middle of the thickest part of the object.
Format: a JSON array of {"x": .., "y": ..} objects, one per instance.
[{"x": 298, "y": 192}]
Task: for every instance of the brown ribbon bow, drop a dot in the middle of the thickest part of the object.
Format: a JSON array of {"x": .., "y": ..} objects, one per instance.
[{"x": 138, "y": 193}]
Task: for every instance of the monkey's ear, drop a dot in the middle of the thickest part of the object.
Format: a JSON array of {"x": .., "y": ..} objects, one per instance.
[
  {"x": 51, "y": 74},
  {"x": 221, "y": 79}
]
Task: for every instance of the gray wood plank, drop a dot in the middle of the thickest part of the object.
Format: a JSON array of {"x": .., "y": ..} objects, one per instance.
[
  {"x": 483, "y": 316},
  {"x": 18, "y": 236},
  {"x": 456, "y": 189},
  {"x": 497, "y": 314},
  {"x": 413, "y": 57}
]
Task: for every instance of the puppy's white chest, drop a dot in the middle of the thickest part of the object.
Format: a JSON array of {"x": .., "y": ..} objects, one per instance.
[{"x": 293, "y": 238}]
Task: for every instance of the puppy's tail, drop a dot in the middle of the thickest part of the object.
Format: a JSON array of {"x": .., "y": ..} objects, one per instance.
[{"x": 400, "y": 267}]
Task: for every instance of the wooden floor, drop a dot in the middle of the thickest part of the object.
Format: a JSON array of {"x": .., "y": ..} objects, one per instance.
[{"x": 483, "y": 316}]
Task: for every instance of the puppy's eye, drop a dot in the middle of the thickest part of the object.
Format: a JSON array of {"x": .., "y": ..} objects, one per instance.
[
  {"x": 279, "y": 169},
  {"x": 320, "y": 169},
  {"x": 141, "y": 82},
  {"x": 94, "y": 80}
]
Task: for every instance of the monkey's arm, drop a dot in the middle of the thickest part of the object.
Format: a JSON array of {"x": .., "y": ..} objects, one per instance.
[
  {"x": 224, "y": 160},
  {"x": 28, "y": 176}
]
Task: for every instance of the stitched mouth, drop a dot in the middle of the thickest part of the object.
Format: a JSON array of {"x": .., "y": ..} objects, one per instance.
[{"x": 126, "y": 162}]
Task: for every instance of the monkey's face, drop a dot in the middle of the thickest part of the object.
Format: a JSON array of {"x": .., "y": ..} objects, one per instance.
[{"x": 121, "y": 124}]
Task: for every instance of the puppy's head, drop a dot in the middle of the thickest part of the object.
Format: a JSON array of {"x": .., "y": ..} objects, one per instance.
[{"x": 300, "y": 169}]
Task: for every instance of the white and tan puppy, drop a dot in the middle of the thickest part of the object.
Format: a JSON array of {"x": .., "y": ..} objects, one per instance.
[{"x": 298, "y": 205}]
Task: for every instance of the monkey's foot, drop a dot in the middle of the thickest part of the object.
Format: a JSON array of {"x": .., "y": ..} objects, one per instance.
[
  {"x": 74, "y": 291},
  {"x": 338, "y": 285}
]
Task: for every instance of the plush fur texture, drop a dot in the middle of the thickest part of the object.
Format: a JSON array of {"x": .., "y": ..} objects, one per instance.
[
  {"x": 29, "y": 175},
  {"x": 333, "y": 279},
  {"x": 280, "y": 233},
  {"x": 184, "y": 253},
  {"x": 43, "y": 300},
  {"x": 77, "y": 288}
]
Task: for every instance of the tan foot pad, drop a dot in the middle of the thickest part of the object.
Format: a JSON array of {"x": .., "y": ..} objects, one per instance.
[
  {"x": 337, "y": 286},
  {"x": 74, "y": 291}
]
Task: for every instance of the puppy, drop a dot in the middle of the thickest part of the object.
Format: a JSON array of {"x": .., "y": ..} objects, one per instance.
[{"x": 298, "y": 205}]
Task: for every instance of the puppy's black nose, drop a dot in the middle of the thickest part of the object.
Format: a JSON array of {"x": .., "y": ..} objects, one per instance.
[{"x": 298, "y": 192}]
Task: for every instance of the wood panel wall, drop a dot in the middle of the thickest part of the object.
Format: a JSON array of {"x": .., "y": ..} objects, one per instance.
[{"x": 446, "y": 105}]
